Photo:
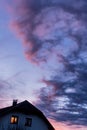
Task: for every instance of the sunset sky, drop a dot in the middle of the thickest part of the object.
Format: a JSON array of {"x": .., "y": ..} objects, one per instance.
[{"x": 43, "y": 58}]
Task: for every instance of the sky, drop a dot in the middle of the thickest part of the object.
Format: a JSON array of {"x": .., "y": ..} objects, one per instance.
[{"x": 43, "y": 58}]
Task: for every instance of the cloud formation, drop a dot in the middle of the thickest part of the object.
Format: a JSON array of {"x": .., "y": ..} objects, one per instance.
[{"x": 54, "y": 33}]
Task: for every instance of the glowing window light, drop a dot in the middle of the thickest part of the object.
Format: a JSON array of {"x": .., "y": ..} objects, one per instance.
[{"x": 14, "y": 120}]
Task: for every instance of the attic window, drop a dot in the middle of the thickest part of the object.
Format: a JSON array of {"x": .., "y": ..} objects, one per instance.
[
  {"x": 14, "y": 119},
  {"x": 28, "y": 122}
]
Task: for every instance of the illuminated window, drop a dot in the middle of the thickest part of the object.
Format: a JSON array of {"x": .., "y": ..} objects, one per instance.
[
  {"x": 28, "y": 121},
  {"x": 14, "y": 120}
]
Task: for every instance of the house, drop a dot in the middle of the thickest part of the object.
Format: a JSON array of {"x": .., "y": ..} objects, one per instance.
[{"x": 23, "y": 116}]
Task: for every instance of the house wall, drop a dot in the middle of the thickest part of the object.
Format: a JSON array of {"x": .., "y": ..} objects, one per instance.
[{"x": 37, "y": 122}]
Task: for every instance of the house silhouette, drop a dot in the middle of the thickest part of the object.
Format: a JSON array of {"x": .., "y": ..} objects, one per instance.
[{"x": 23, "y": 116}]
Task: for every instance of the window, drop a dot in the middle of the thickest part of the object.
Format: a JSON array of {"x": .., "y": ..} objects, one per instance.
[
  {"x": 28, "y": 121},
  {"x": 14, "y": 119}
]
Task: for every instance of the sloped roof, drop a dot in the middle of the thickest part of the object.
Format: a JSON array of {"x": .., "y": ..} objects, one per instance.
[{"x": 27, "y": 108}]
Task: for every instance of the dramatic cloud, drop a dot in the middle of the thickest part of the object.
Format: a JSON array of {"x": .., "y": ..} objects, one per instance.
[
  {"x": 54, "y": 33},
  {"x": 66, "y": 99}
]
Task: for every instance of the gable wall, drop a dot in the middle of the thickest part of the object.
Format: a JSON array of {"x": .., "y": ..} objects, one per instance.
[{"x": 37, "y": 122}]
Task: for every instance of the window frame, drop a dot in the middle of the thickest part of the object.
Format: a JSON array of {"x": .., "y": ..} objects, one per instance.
[
  {"x": 28, "y": 122},
  {"x": 15, "y": 119}
]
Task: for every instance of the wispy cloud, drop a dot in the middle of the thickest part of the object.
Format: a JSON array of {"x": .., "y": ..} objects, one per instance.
[{"x": 54, "y": 33}]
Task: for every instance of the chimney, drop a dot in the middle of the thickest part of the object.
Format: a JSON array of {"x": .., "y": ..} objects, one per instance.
[{"x": 14, "y": 102}]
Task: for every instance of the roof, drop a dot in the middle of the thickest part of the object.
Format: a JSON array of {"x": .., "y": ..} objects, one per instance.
[{"x": 27, "y": 108}]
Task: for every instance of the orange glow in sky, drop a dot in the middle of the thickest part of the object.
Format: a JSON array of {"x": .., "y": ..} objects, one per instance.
[{"x": 61, "y": 126}]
